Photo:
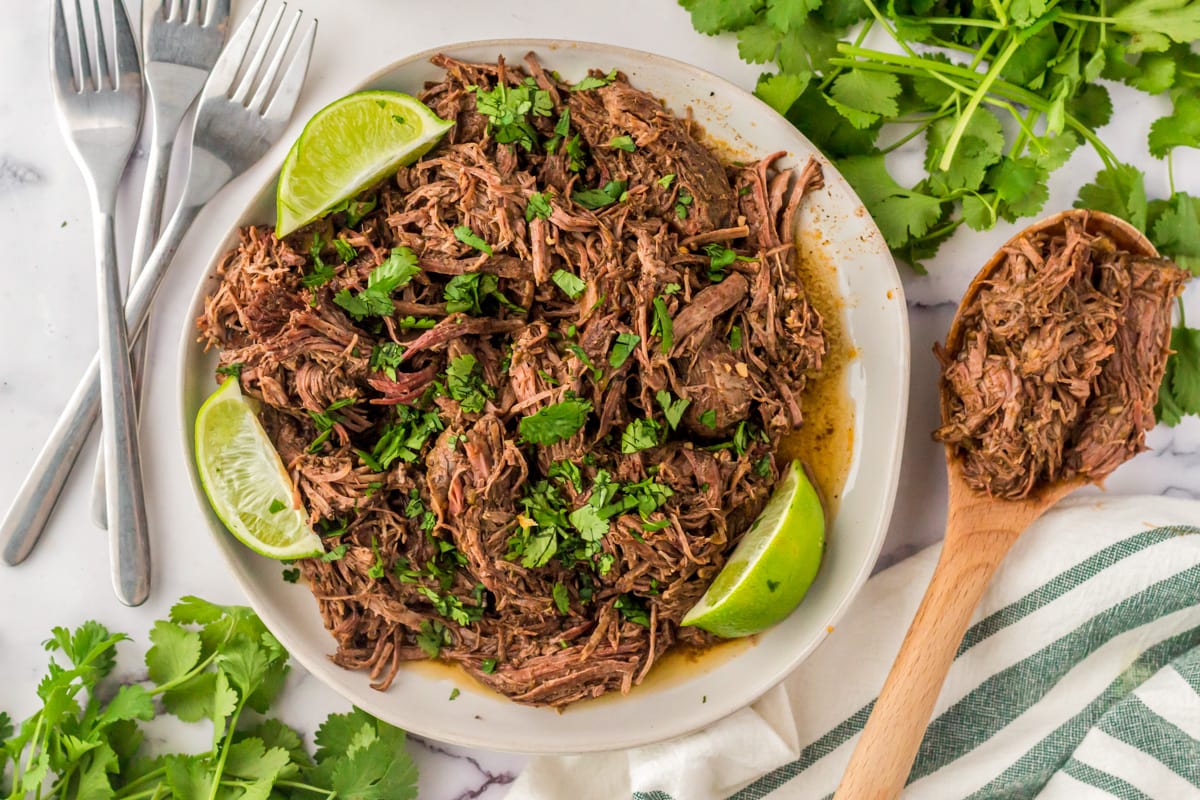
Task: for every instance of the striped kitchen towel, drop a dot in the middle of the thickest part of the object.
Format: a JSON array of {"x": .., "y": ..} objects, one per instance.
[{"x": 1079, "y": 678}]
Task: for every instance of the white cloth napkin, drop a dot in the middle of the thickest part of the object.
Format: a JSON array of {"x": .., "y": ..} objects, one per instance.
[{"x": 1080, "y": 678}]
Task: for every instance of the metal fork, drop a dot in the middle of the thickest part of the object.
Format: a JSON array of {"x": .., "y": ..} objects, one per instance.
[
  {"x": 236, "y": 123},
  {"x": 99, "y": 112},
  {"x": 180, "y": 44}
]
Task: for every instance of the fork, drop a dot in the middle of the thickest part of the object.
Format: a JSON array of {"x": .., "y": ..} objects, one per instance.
[
  {"x": 180, "y": 44},
  {"x": 236, "y": 123},
  {"x": 100, "y": 113}
]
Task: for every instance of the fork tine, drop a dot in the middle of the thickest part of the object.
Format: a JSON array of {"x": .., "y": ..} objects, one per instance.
[
  {"x": 86, "y": 82},
  {"x": 128, "y": 64},
  {"x": 259, "y": 101},
  {"x": 193, "y": 12},
  {"x": 172, "y": 9},
  {"x": 218, "y": 12},
  {"x": 284, "y": 101},
  {"x": 243, "y": 89},
  {"x": 226, "y": 69},
  {"x": 62, "y": 64},
  {"x": 104, "y": 78}
]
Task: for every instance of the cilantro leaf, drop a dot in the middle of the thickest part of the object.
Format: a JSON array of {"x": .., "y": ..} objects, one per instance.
[
  {"x": 396, "y": 271},
  {"x": 1119, "y": 190},
  {"x": 465, "y": 235},
  {"x": 1179, "y": 129},
  {"x": 556, "y": 422},
  {"x": 561, "y": 598},
  {"x": 174, "y": 653},
  {"x": 869, "y": 94},
  {"x": 782, "y": 89},
  {"x": 623, "y": 142},
  {"x": 572, "y": 285},
  {"x": 594, "y": 199},
  {"x": 538, "y": 206},
  {"x": 595, "y": 81},
  {"x": 1176, "y": 231},
  {"x": 640, "y": 434},
  {"x": 465, "y": 383},
  {"x": 672, "y": 408},
  {"x": 622, "y": 348}
]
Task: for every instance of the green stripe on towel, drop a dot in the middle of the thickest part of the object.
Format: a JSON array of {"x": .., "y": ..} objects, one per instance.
[
  {"x": 1135, "y": 724},
  {"x": 1117, "y": 787}
]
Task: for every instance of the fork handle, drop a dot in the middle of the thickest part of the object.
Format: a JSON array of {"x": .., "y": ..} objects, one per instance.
[
  {"x": 154, "y": 189},
  {"x": 26, "y": 518},
  {"x": 129, "y": 540}
]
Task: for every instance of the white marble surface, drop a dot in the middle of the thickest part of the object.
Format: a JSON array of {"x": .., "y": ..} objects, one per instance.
[{"x": 47, "y": 329}]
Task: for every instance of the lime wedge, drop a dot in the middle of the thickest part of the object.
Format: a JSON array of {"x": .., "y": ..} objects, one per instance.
[
  {"x": 349, "y": 145},
  {"x": 245, "y": 479},
  {"x": 772, "y": 567}
]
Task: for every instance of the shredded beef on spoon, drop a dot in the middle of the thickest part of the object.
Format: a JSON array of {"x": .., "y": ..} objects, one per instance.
[
  {"x": 537, "y": 459},
  {"x": 1061, "y": 356}
]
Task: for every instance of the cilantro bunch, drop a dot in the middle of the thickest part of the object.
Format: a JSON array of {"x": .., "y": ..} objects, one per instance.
[
  {"x": 208, "y": 662},
  {"x": 998, "y": 94}
]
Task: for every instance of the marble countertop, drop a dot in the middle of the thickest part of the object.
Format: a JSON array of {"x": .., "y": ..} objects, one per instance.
[{"x": 48, "y": 327}]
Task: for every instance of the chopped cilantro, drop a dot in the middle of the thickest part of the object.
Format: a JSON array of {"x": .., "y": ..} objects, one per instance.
[
  {"x": 397, "y": 270},
  {"x": 355, "y": 210},
  {"x": 467, "y": 293},
  {"x": 386, "y": 357},
  {"x": 233, "y": 370},
  {"x": 681, "y": 204},
  {"x": 594, "y": 199},
  {"x": 720, "y": 257},
  {"x": 454, "y": 693},
  {"x": 404, "y": 437},
  {"x": 291, "y": 575},
  {"x": 640, "y": 434},
  {"x": 432, "y": 637},
  {"x": 595, "y": 82},
  {"x": 579, "y": 352},
  {"x": 576, "y": 153},
  {"x": 666, "y": 180},
  {"x": 276, "y": 506},
  {"x": 623, "y": 143},
  {"x": 556, "y": 422},
  {"x": 561, "y": 598},
  {"x": 465, "y": 383},
  {"x": 735, "y": 337},
  {"x": 465, "y": 235},
  {"x": 671, "y": 288},
  {"x": 325, "y": 420},
  {"x": 336, "y": 554},
  {"x": 376, "y": 569},
  {"x": 538, "y": 206},
  {"x": 709, "y": 419},
  {"x": 622, "y": 349},
  {"x": 632, "y": 609},
  {"x": 672, "y": 409},
  {"x": 567, "y": 471},
  {"x": 662, "y": 325},
  {"x": 572, "y": 285},
  {"x": 507, "y": 109},
  {"x": 488, "y": 666},
  {"x": 762, "y": 467},
  {"x": 345, "y": 250}
]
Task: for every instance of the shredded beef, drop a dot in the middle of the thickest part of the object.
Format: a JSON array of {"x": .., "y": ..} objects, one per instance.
[
  {"x": 1057, "y": 368},
  {"x": 429, "y": 567}
]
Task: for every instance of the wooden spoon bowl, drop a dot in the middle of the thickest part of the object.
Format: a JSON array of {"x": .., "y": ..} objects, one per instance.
[{"x": 980, "y": 530}]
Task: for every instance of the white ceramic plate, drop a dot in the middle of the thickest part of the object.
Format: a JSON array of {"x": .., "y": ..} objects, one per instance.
[{"x": 680, "y": 700}]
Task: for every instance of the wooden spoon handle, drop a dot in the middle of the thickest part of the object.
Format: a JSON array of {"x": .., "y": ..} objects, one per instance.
[{"x": 880, "y": 764}]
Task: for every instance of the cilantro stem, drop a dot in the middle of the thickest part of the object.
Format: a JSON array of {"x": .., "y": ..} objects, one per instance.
[
  {"x": 225, "y": 746},
  {"x": 304, "y": 787},
  {"x": 1086, "y": 18},
  {"x": 1001, "y": 16},
  {"x": 960, "y": 127},
  {"x": 962, "y": 22},
  {"x": 915, "y": 132},
  {"x": 880, "y": 61},
  {"x": 985, "y": 48},
  {"x": 1171, "y": 172},
  {"x": 149, "y": 776}
]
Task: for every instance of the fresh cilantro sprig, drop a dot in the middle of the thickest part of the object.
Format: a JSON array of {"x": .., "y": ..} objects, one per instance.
[
  {"x": 396, "y": 271},
  {"x": 556, "y": 422},
  {"x": 207, "y": 663},
  {"x": 997, "y": 99},
  {"x": 508, "y": 109}
]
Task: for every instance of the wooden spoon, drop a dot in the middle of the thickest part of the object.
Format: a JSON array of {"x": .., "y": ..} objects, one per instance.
[{"x": 979, "y": 532}]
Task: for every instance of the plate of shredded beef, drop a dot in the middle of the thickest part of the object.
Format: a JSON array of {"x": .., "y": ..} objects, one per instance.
[{"x": 616, "y": 317}]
